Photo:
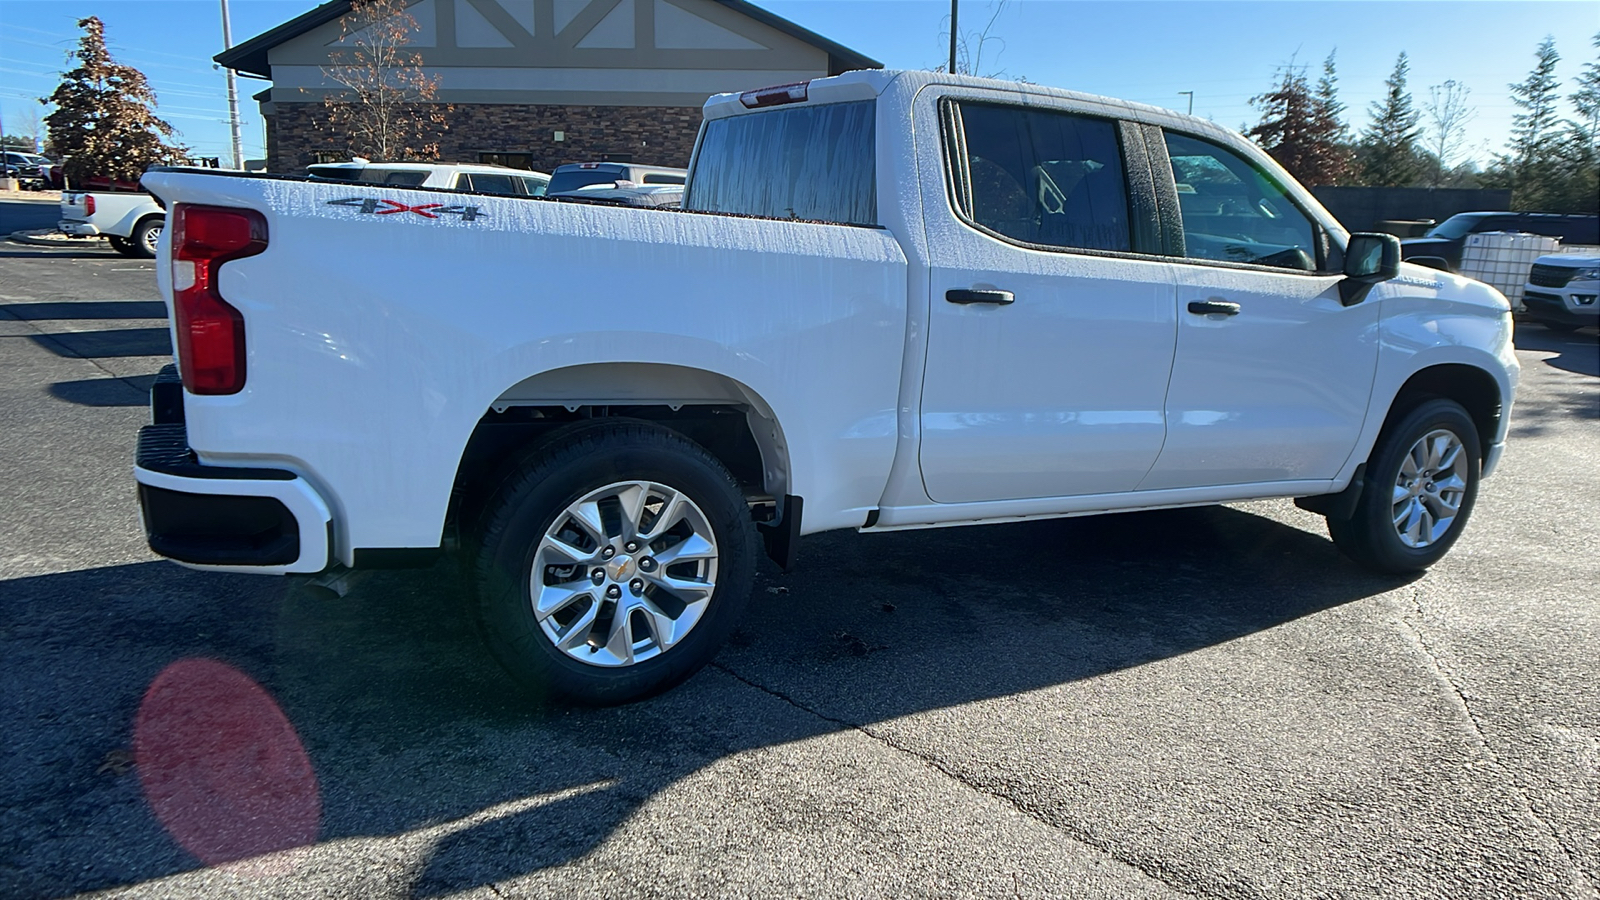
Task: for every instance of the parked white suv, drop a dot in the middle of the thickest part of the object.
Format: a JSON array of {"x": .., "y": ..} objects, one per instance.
[
  {"x": 891, "y": 300},
  {"x": 1563, "y": 291},
  {"x": 481, "y": 179}
]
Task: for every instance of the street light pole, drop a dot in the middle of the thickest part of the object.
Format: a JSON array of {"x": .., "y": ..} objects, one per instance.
[
  {"x": 233, "y": 93},
  {"x": 1180, "y": 93},
  {"x": 953, "y": 32}
]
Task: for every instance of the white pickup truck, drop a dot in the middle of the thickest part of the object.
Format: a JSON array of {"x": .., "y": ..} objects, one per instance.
[
  {"x": 890, "y": 301},
  {"x": 130, "y": 220}
]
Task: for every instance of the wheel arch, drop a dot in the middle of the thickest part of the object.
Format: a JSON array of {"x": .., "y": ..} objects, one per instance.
[
  {"x": 728, "y": 418},
  {"x": 1471, "y": 386}
]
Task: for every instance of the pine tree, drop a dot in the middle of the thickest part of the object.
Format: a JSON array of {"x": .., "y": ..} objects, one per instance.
[
  {"x": 1330, "y": 111},
  {"x": 104, "y": 121},
  {"x": 1301, "y": 130},
  {"x": 1388, "y": 149},
  {"x": 1532, "y": 165},
  {"x": 1587, "y": 97}
]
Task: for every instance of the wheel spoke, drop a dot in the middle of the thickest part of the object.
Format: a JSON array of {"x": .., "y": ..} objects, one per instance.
[
  {"x": 692, "y": 547},
  {"x": 576, "y": 635},
  {"x": 567, "y": 551},
  {"x": 663, "y": 629},
  {"x": 620, "y": 642},
  {"x": 587, "y": 515},
  {"x": 632, "y": 498},
  {"x": 685, "y": 589},
  {"x": 671, "y": 511},
  {"x": 1449, "y": 455},
  {"x": 1411, "y": 466},
  {"x": 556, "y": 597}
]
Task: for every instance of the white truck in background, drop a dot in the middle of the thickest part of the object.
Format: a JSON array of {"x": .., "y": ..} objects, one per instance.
[
  {"x": 131, "y": 220},
  {"x": 891, "y": 300}
]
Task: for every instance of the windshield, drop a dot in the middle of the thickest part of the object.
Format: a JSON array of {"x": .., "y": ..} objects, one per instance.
[
  {"x": 1455, "y": 227},
  {"x": 566, "y": 179}
]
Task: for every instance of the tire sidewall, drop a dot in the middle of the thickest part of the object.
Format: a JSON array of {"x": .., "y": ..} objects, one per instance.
[
  {"x": 1375, "y": 513},
  {"x": 529, "y": 505}
]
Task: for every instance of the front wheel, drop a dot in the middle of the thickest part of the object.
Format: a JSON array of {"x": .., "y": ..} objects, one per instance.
[
  {"x": 1421, "y": 482},
  {"x": 613, "y": 565}
]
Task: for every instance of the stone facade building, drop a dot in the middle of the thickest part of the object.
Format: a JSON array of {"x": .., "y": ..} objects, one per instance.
[{"x": 538, "y": 83}]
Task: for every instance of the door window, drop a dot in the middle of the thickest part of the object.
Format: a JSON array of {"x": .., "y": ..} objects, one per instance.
[
  {"x": 1044, "y": 177},
  {"x": 489, "y": 183},
  {"x": 1233, "y": 212}
]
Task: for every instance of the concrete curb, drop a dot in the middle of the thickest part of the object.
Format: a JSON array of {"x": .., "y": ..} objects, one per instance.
[{"x": 23, "y": 237}]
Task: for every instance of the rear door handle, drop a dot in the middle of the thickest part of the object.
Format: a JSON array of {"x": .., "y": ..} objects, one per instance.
[
  {"x": 961, "y": 295},
  {"x": 1213, "y": 307}
]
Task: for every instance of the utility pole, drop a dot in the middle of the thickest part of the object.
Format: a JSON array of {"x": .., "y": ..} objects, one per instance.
[
  {"x": 953, "y": 32},
  {"x": 1180, "y": 93},
  {"x": 233, "y": 93}
]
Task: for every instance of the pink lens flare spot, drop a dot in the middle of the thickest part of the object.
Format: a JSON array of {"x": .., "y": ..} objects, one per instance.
[{"x": 220, "y": 765}]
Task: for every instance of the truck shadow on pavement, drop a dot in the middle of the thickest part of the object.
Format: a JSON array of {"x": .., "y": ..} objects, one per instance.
[
  {"x": 408, "y": 724},
  {"x": 1579, "y": 351},
  {"x": 86, "y": 309}
]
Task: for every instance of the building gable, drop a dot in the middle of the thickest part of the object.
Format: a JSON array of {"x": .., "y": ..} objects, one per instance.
[{"x": 593, "y": 52}]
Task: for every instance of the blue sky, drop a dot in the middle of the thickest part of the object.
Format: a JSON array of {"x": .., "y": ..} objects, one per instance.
[{"x": 1146, "y": 50}]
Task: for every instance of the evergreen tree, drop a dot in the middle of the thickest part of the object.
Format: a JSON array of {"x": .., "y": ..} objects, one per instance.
[
  {"x": 1531, "y": 166},
  {"x": 1301, "y": 130},
  {"x": 104, "y": 121},
  {"x": 1330, "y": 110},
  {"x": 1587, "y": 97},
  {"x": 1388, "y": 150}
]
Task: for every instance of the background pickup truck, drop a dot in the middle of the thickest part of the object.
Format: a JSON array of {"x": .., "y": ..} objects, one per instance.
[
  {"x": 130, "y": 220},
  {"x": 891, "y": 300}
]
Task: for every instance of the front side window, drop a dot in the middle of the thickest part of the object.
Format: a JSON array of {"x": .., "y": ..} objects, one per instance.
[
  {"x": 1233, "y": 212},
  {"x": 815, "y": 163},
  {"x": 1044, "y": 177}
]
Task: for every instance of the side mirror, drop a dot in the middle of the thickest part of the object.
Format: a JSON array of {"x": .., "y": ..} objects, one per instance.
[{"x": 1368, "y": 259}]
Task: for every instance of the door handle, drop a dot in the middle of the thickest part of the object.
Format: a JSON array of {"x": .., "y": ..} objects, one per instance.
[
  {"x": 1213, "y": 307},
  {"x": 961, "y": 295}
]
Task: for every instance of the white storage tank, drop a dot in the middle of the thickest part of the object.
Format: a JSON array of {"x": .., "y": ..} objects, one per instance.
[{"x": 1501, "y": 259}]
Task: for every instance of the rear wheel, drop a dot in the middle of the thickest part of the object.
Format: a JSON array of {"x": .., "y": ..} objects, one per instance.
[
  {"x": 1421, "y": 482},
  {"x": 145, "y": 236},
  {"x": 614, "y": 564},
  {"x": 122, "y": 245}
]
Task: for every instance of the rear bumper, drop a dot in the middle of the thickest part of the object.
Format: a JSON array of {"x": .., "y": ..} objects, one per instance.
[
  {"x": 223, "y": 518},
  {"x": 79, "y": 228}
]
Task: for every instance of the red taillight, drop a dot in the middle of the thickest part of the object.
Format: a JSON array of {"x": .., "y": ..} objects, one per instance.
[
  {"x": 775, "y": 96},
  {"x": 88, "y": 204},
  {"x": 210, "y": 332}
]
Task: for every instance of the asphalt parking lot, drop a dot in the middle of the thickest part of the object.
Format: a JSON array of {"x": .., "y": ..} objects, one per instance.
[{"x": 1194, "y": 703}]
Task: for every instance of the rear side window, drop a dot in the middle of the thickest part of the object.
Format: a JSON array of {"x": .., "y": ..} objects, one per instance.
[
  {"x": 815, "y": 163},
  {"x": 663, "y": 178},
  {"x": 1045, "y": 177},
  {"x": 489, "y": 183}
]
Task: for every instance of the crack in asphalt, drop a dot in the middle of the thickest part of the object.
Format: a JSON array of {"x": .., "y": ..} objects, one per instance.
[
  {"x": 1445, "y": 678},
  {"x": 1154, "y": 873}
]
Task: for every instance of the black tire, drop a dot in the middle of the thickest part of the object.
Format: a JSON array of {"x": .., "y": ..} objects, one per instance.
[
  {"x": 121, "y": 245},
  {"x": 1370, "y": 536},
  {"x": 571, "y": 464},
  {"x": 1561, "y": 327},
  {"x": 143, "y": 240}
]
